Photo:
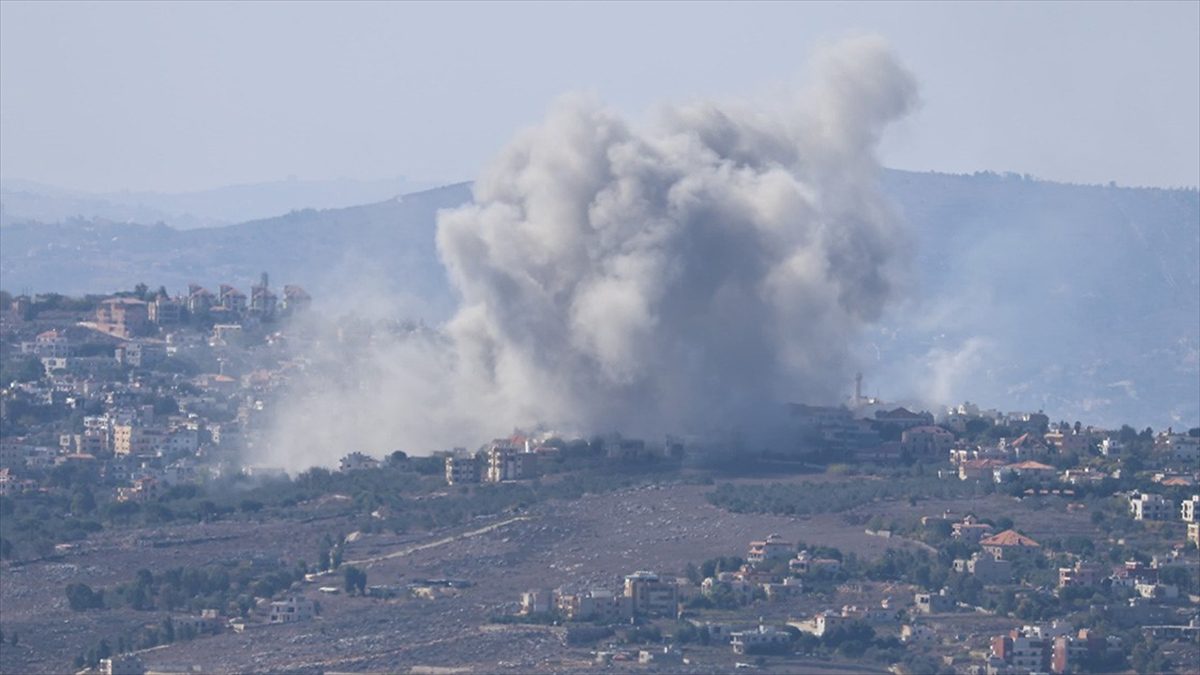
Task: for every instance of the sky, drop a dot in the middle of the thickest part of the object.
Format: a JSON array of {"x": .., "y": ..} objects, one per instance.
[{"x": 187, "y": 96}]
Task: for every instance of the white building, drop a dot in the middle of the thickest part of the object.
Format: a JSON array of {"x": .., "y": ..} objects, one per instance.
[
  {"x": 1147, "y": 506},
  {"x": 295, "y": 608},
  {"x": 1189, "y": 511}
]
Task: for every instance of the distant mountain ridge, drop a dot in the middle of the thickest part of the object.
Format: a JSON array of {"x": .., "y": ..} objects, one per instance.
[
  {"x": 1080, "y": 300},
  {"x": 22, "y": 200}
]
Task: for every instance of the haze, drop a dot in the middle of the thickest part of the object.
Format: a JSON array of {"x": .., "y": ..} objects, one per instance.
[{"x": 176, "y": 97}]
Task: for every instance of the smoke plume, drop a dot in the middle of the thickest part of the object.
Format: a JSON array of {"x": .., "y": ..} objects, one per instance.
[{"x": 675, "y": 277}]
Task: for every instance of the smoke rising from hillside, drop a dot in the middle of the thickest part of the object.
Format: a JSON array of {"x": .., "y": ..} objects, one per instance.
[{"x": 687, "y": 275}]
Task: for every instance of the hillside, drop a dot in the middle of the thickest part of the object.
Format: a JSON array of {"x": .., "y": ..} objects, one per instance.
[{"x": 1081, "y": 300}]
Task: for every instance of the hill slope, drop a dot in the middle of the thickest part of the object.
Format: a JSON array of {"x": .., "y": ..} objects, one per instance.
[{"x": 1080, "y": 300}]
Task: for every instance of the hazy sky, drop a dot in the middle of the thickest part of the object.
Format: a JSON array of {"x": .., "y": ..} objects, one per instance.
[{"x": 175, "y": 96}]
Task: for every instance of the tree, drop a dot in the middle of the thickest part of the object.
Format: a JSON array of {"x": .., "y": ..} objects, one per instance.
[
  {"x": 356, "y": 580},
  {"x": 141, "y": 290},
  {"x": 81, "y": 597},
  {"x": 83, "y": 501}
]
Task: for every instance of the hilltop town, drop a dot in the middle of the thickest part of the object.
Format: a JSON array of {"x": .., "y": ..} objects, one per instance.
[{"x": 140, "y": 532}]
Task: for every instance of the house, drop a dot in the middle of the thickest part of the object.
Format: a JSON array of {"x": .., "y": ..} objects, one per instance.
[
  {"x": 1067, "y": 440},
  {"x": 1193, "y": 534},
  {"x": 463, "y": 469},
  {"x": 804, "y": 563},
  {"x": 1148, "y": 506},
  {"x": 1008, "y": 545},
  {"x": 1043, "y": 473},
  {"x": 985, "y": 567},
  {"x": 232, "y": 299},
  {"x": 652, "y": 595},
  {"x": 51, "y": 344},
  {"x": 295, "y": 608},
  {"x": 1080, "y": 574},
  {"x": 357, "y": 461},
  {"x": 506, "y": 462},
  {"x": 1071, "y": 652},
  {"x": 772, "y": 549},
  {"x": 121, "y": 664},
  {"x": 764, "y": 639},
  {"x": 595, "y": 605},
  {"x": 970, "y": 530},
  {"x": 934, "y": 603},
  {"x": 537, "y": 601},
  {"x": 926, "y": 441},
  {"x": 903, "y": 418},
  {"x": 1027, "y": 444},
  {"x": 978, "y": 469},
  {"x": 739, "y": 589},
  {"x": 1189, "y": 509},
  {"x": 122, "y": 317}
]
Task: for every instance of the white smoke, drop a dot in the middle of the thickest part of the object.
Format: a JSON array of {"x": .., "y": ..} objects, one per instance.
[{"x": 691, "y": 274}]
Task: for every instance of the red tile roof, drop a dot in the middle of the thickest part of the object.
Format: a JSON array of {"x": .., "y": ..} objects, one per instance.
[{"x": 1010, "y": 538}]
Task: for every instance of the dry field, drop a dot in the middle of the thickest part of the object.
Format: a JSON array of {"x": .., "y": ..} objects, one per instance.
[{"x": 589, "y": 542}]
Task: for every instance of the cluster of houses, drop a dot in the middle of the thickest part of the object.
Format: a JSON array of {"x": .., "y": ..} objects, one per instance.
[{"x": 199, "y": 425}]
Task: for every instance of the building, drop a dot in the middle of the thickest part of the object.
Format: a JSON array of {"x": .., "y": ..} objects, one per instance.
[
  {"x": 1189, "y": 509},
  {"x": 1069, "y": 652},
  {"x": 295, "y": 608},
  {"x": 986, "y": 568},
  {"x": 934, "y": 603},
  {"x": 295, "y": 299},
  {"x": 739, "y": 589},
  {"x": 51, "y": 344},
  {"x": 130, "y": 439},
  {"x": 978, "y": 469},
  {"x": 762, "y": 640},
  {"x": 1148, "y": 506},
  {"x": 163, "y": 311},
  {"x": 904, "y": 418},
  {"x": 538, "y": 601},
  {"x": 1066, "y": 440},
  {"x": 122, "y": 317},
  {"x": 926, "y": 441},
  {"x": 1043, "y": 473},
  {"x": 1080, "y": 574},
  {"x": 1193, "y": 534},
  {"x": 141, "y": 354},
  {"x": 770, "y": 550},
  {"x": 262, "y": 300},
  {"x": 463, "y": 469},
  {"x": 1008, "y": 545},
  {"x": 804, "y": 563},
  {"x": 1019, "y": 652},
  {"x": 595, "y": 605},
  {"x": 232, "y": 299},
  {"x": 506, "y": 462},
  {"x": 651, "y": 595},
  {"x": 121, "y": 664},
  {"x": 357, "y": 461},
  {"x": 970, "y": 530}
]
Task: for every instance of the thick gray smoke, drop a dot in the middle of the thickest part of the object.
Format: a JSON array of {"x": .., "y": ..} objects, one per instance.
[{"x": 683, "y": 276}]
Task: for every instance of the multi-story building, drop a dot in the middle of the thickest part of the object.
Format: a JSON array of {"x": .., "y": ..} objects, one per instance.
[
  {"x": 1080, "y": 574},
  {"x": 506, "y": 462},
  {"x": 1189, "y": 509},
  {"x": 122, "y": 317},
  {"x": 163, "y": 311},
  {"x": 1148, "y": 506},
  {"x": 805, "y": 563},
  {"x": 595, "y": 605},
  {"x": 761, "y": 639},
  {"x": 293, "y": 609},
  {"x": 51, "y": 344},
  {"x": 926, "y": 441},
  {"x": 1193, "y": 534},
  {"x": 986, "y": 568},
  {"x": 232, "y": 299},
  {"x": 1008, "y": 545},
  {"x": 538, "y": 601},
  {"x": 652, "y": 595},
  {"x": 357, "y": 461},
  {"x": 131, "y": 439},
  {"x": 463, "y": 469},
  {"x": 772, "y": 549}
]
